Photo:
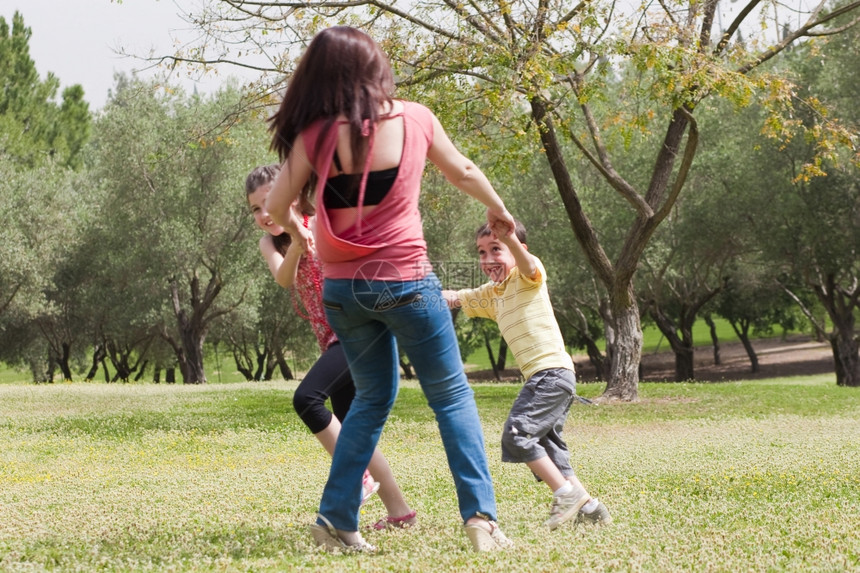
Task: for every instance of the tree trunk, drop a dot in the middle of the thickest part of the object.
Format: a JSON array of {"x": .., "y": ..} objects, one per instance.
[
  {"x": 261, "y": 364},
  {"x": 596, "y": 358},
  {"x": 682, "y": 346},
  {"x": 407, "y": 369},
  {"x": 170, "y": 375},
  {"x": 492, "y": 358},
  {"x": 742, "y": 330},
  {"x": 846, "y": 357},
  {"x": 625, "y": 353},
  {"x": 684, "y": 364},
  {"x": 193, "y": 327},
  {"x": 192, "y": 365},
  {"x": 284, "y": 367},
  {"x": 63, "y": 361},
  {"x": 623, "y": 383},
  {"x": 715, "y": 341},
  {"x": 98, "y": 356},
  {"x": 141, "y": 371},
  {"x": 243, "y": 364},
  {"x": 271, "y": 364},
  {"x": 503, "y": 354}
]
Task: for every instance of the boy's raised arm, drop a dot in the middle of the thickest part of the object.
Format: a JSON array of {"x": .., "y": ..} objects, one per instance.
[
  {"x": 451, "y": 298},
  {"x": 525, "y": 262}
]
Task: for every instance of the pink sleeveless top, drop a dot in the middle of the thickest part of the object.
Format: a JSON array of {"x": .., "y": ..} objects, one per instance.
[
  {"x": 308, "y": 286},
  {"x": 388, "y": 243}
]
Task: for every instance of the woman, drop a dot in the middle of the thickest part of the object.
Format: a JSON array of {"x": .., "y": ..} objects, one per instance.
[
  {"x": 364, "y": 152},
  {"x": 329, "y": 378}
]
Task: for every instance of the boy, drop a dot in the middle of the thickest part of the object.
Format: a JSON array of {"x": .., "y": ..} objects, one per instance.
[{"x": 517, "y": 299}]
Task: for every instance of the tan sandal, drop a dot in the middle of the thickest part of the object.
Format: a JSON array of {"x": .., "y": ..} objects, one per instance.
[
  {"x": 327, "y": 537},
  {"x": 484, "y": 539}
]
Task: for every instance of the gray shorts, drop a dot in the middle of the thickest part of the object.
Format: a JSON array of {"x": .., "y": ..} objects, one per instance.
[{"x": 533, "y": 428}]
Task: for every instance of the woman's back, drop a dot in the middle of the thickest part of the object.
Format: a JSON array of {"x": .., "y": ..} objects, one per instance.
[
  {"x": 348, "y": 238},
  {"x": 386, "y": 153}
]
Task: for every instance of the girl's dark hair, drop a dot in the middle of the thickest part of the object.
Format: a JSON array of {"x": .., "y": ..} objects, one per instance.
[
  {"x": 519, "y": 230},
  {"x": 342, "y": 72},
  {"x": 263, "y": 175}
]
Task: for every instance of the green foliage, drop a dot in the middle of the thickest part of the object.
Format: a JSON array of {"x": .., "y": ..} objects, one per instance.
[
  {"x": 171, "y": 175},
  {"x": 33, "y": 126},
  {"x": 34, "y": 242}
]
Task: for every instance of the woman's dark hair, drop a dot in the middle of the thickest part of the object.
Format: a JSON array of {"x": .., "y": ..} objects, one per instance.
[{"x": 342, "y": 72}]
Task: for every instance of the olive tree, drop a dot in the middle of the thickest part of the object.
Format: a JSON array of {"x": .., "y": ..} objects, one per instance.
[
  {"x": 538, "y": 70},
  {"x": 173, "y": 173}
]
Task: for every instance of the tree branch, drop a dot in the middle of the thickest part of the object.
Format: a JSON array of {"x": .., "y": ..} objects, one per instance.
[
  {"x": 803, "y": 31},
  {"x": 684, "y": 169},
  {"x": 604, "y": 164},
  {"x": 806, "y": 312},
  {"x": 733, "y": 27}
]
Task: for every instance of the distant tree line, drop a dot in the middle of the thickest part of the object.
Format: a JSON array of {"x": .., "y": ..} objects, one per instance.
[{"x": 127, "y": 249}]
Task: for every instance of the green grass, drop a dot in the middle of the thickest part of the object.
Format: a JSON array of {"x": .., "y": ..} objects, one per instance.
[
  {"x": 755, "y": 476},
  {"x": 653, "y": 340}
]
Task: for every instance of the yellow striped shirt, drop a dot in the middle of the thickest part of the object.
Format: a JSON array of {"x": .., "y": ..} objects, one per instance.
[{"x": 523, "y": 311}]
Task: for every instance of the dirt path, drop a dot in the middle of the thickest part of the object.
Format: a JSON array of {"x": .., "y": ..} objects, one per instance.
[{"x": 798, "y": 355}]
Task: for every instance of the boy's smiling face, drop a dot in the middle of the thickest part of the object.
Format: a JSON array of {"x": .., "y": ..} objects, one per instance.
[{"x": 495, "y": 257}]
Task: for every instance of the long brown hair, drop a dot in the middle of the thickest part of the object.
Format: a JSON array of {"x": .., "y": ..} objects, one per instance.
[{"x": 342, "y": 72}]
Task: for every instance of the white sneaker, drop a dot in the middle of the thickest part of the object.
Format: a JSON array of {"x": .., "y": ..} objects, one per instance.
[{"x": 566, "y": 506}]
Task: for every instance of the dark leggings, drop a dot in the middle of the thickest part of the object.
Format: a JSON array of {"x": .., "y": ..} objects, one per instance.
[{"x": 329, "y": 377}]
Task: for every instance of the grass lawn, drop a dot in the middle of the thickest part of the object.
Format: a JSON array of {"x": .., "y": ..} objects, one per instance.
[{"x": 754, "y": 476}]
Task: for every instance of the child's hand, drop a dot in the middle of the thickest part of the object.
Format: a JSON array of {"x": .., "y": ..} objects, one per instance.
[
  {"x": 303, "y": 238},
  {"x": 501, "y": 222}
]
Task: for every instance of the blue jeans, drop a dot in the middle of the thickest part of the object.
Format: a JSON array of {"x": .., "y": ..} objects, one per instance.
[{"x": 371, "y": 318}]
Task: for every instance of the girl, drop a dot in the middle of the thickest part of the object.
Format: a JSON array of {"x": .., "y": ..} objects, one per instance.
[
  {"x": 329, "y": 377},
  {"x": 339, "y": 129}
]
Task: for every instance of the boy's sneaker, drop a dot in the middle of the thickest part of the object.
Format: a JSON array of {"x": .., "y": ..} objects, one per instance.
[
  {"x": 566, "y": 506},
  {"x": 599, "y": 516}
]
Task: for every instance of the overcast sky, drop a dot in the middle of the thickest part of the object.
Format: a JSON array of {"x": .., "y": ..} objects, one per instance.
[{"x": 77, "y": 39}]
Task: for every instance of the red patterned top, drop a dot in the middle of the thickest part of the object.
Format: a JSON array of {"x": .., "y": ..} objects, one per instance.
[{"x": 308, "y": 285}]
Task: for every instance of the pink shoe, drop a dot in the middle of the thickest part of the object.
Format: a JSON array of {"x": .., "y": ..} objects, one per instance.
[
  {"x": 368, "y": 487},
  {"x": 402, "y": 522}
]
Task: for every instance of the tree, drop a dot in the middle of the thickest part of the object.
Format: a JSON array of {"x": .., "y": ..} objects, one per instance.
[
  {"x": 258, "y": 337},
  {"x": 44, "y": 210},
  {"x": 32, "y": 126},
  {"x": 172, "y": 172},
  {"x": 753, "y": 302},
  {"x": 485, "y": 61},
  {"x": 815, "y": 235}
]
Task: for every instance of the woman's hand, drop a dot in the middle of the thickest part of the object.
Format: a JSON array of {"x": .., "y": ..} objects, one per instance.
[
  {"x": 303, "y": 238},
  {"x": 501, "y": 222},
  {"x": 300, "y": 233}
]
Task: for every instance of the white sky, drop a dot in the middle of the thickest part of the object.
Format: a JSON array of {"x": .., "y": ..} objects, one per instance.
[{"x": 77, "y": 39}]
